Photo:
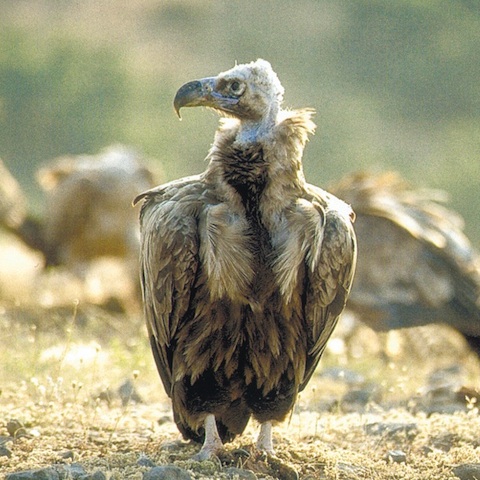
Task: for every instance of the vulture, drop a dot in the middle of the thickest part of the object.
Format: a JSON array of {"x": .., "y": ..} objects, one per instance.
[
  {"x": 415, "y": 264},
  {"x": 14, "y": 215},
  {"x": 88, "y": 211},
  {"x": 12, "y": 200},
  {"x": 245, "y": 268}
]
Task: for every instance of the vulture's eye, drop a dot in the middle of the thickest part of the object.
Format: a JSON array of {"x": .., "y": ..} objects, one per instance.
[{"x": 237, "y": 88}]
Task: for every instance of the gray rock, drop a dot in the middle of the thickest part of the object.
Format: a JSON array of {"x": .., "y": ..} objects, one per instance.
[
  {"x": 444, "y": 441},
  {"x": 347, "y": 471},
  {"x": 467, "y": 471},
  {"x": 341, "y": 374},
  {"x": 128, "y": 393},
  {"x": 357, "y": 399},
  {"x": 4, "y": 440},
  {"x": 73, "y": 471},
  {"x": 15, "y": 428},
  {"x": 392, "y": 430},
  {"x": 239, "y": 473},
  {"x": 144, "y": 461},
  {"x": 42, "y": 474},
  {"x": 98, "y": 475},
  {"x": 67, "y": 455},
  {"x": 240, "y": 454},
  {"x": 174, "y": 446},
  {"x": 167, "y": 472},
  {"x": 5, "y": 452},
  {"x": 396, "y": 456}
]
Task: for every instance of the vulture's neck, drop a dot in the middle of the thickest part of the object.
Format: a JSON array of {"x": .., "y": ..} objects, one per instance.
[
  {"x": 258, "y": 131},
  {"x": 262, "y": 161}
]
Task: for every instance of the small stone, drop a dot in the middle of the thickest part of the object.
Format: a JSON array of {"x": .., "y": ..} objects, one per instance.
[
  {"x": 392, "y": 430},
  {"x": 396, "y": 456},
  {"x": 5, "y": 452},
  {"x": 4, "y": 440},
  {"x": 240, "y": 453},
  {"x": 164, "y": 419},
  {"x": 358, "y": 398},
  {"x": 444, "y": 441},
  {"x": 345, "y": 375},
  {"x": 280, "y": 470},
  {"x": 128, "y": 393},
  {"x": 16, "y": 429},
  {"x": 42, "y": 474},
  {"x": 240, "y": 474},
  {"x": 144, "y": 461},
  {"x": 67, "y": 455},
  {"x": 98, "y": 475},
  {"x": 174, "y": 446},
  {"x": 167, "y": 472},
  {"x": 467, "y": 471},
  {"x": 74, "y": 470}
]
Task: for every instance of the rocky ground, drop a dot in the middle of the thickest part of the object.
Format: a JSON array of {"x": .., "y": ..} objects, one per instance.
[{"x": 80, "y": 398}]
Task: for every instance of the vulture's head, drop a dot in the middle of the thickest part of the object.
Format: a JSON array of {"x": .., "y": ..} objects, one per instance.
[{"x": 250, "y": 92}]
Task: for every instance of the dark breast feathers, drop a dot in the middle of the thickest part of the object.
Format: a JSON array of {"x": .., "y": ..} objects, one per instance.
[{"x": 241, "y": 292}]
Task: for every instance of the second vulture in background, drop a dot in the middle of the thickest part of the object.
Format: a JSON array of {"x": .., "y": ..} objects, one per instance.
[
  {"x": 415, "y": 264},
  {"x": 88, "y": 212}
]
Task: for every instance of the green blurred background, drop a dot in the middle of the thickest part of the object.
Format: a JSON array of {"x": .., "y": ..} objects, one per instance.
[{"x": 396, "y": 83}]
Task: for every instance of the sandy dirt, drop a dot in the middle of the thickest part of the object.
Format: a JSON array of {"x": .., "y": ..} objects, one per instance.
[{"x": 80, "y": 394}]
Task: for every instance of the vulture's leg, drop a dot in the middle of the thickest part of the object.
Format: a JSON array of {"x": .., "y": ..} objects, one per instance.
[
  {"x": 264, "y": 440},
  {"x": 212, "y": 443}
]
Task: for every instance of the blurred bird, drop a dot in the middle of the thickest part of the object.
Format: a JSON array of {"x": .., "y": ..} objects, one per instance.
[
  {"x": 14, "y": 214},
  {"x": 415, "y": 264},
  {"x": 245, "y": 268},
  {"x": 88, "y": 212},
  {"x": 13, "y": 204}
]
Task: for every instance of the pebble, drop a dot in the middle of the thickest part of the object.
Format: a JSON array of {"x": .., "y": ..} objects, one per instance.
[
  {"x": 164, "y": 419},
  {"x": 396, "y": 456},
  {"x": 98, "y": 475},
  {"x": 41, "y": 474},
  {"x": 345, "y": 470},
  {"x": 174, "y": 446},
  {"x": 240, "y": 474},
  {"x": 144, "y": 461},
  {"x": 128, "y": 393},
  {"x": 5, "y": 452},
  {"x": 392, "y": 430},
  {"x": 444, "y": 441},
  {"x": 15, "y": 428},
  {"x": 4, "y": 440},
  {"x": 467, "y": 471},
  {"x": 67, "y": 455},
  {"x": 240, "y": 454},
  {"x": 281, "y": 471},
  {"x": 167, "y": 472},
  {"x": 74, "y": 471},
  {"x": 345, "y": 375},
  {"x": 357, "y": 399}
]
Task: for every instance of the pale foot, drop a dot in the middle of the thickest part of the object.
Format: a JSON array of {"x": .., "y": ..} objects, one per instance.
[
  {"x": 264, "y": 440},
  {"x": 213, "y": 442}
]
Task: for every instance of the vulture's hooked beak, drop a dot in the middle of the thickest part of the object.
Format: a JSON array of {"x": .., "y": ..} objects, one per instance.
[{"x": 202, "y": 93}]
